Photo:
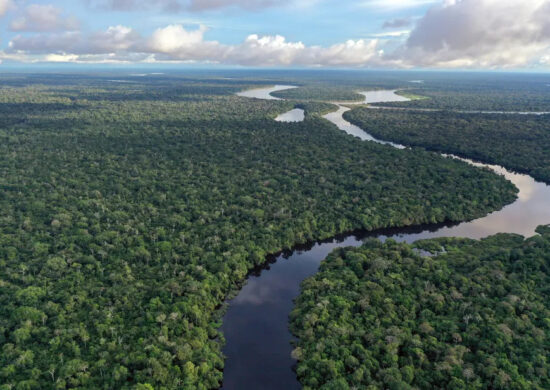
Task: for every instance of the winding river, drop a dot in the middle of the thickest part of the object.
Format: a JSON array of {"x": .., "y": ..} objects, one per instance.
[{"x": 256, "y": 323}]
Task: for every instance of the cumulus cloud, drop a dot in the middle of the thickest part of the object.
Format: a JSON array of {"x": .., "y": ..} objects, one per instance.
[
  {"x": 45, "y": 43},
  {"x": 5, "y": 5},
  {"x": 350, "y": 53},
  {"x": 395, "y": 4},
  {"x": 198, "y": 5},
  {"x": 176, "y": 39},
  {"x": 268, "y": 50},
  {"x": 178, "y": 5},
  {"x": 454, "y": 33},
  {"x": 480, "y": 33},
  {"x": 176, "y": 43},
  {"x": 133, "y": 5},
  {"x": 37, "y": 17},
  {"x": 114, "y": 39}
]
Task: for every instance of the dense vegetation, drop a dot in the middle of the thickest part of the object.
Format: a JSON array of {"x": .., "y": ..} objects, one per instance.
[
  {"x": 316, "y": 108},
  {"x": 130, "y": 210},
  {"x": 517, "y": 142},
  {"x": 382, "y": 316},
  {"x": 322, "y": 92},
  {"x": 459, "y": 91},
  {"x": 522, "y": 94}
]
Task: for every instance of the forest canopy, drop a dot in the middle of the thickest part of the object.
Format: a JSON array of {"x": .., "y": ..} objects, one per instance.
[
  {"x": 130, "y": 209},
  {"x": 517, "y": 142},
  {"x": 387, "y": 315}
]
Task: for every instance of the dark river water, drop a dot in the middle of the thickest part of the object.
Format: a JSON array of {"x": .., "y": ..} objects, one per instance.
[{"x": 258, "y": 342}]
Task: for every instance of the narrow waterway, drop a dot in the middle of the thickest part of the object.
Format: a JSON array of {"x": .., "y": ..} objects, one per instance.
[{"x": 256, "y": 323}]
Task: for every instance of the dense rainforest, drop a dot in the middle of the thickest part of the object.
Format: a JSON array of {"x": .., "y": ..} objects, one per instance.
[
  {"x": 479, "y": 99},
  {"x": 515, "y": 141},
  {"x": 320, "y": 92},
  {"x": 451, "y": 91},
  {"x": 446, "y": 313},
  {"x": 482, "y": 93},
  {"x": 131, "y": 207}
]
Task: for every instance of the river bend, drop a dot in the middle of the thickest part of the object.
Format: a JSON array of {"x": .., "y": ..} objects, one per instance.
[{"x": 255, "y": 325}]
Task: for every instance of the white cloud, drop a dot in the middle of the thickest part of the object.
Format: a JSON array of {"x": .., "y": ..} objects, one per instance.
[
  {"x": 60, "y": 58},
  {"x": 175, "y": 43},
  {"x": 45, "y": 43},
  {"x": 114, "y": 39},
  {"x": 174, "y": 38},
  {"x": 480, "y": 33},
  {"x": 191, "y": 5},
  {"x": 454, "y": 33},
  {"x": 396, "y": 4},
  {"x": 198, "y": 5},
  {"x": 267, "y": 50},
  {"x": 350, "y": 53},
  {"x": 133, "y": 5},
  {"x": 37, "y": 17},
  {"x": 5, "y": 5},
  {"x": 392, "y": 34}
]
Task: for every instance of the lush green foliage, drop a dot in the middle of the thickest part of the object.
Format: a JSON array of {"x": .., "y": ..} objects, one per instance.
[
  {"x": 129, "y": 211},
  {"x": 410, "y": 95},
  {"x": 316, "y": 108},
  {"x": 518, "y": 142},
  {"x": 322, "y": 92},
  {"x": 522, "y": 94},
  {"x": 476, "y": 316}
]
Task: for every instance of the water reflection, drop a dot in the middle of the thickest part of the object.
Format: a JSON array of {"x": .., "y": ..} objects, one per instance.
[
  {"x": 337, "y": 118},
  {"x": 383, "y": 96},
  {"x": 264, "y": 93},
  {"x": 256, "y": 323},
  {"x": 295, "y": 115}
]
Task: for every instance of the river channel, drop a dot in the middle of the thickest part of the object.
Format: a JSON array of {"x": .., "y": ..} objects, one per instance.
[{"x": 255, "y": 325}]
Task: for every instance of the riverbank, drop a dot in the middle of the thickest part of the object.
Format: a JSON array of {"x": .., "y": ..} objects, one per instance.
[{"x": 258, "y": 342}]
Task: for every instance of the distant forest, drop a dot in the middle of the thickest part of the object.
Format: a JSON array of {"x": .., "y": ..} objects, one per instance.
[
  {"x": 132, "y": 207},
  {"x": 517, "y": 142}
]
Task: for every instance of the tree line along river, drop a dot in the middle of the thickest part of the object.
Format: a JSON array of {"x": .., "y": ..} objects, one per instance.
[{"x": 255, "y": 325}]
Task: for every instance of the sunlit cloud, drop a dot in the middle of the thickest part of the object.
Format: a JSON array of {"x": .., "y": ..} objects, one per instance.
[
  {"x": 451, "y": 34},
  {"x": 392, "y": 34},
  {"x": 184, "y": 5},
  {"x": 5, "y": 6},
  {"x": 37, "y": 17},
  {"x": 480, "y": 33},
  {"x": 396, "y": 4}
]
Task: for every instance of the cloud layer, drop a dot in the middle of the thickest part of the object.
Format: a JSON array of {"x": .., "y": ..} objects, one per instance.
[
  {"x": 37, "y": 17},
  {"x": 179, "y": 5},
  {"x": 4, "y": 6},
  {"x": 175, "y": 43},
  {"x": 453, "y": 33},
  {"x": 481, "y": 33}
]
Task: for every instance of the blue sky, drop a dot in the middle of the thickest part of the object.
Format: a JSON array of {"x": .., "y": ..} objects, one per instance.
[
  {"x": 479, "y": 34},
  {"x": 312, "y": 22}
]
